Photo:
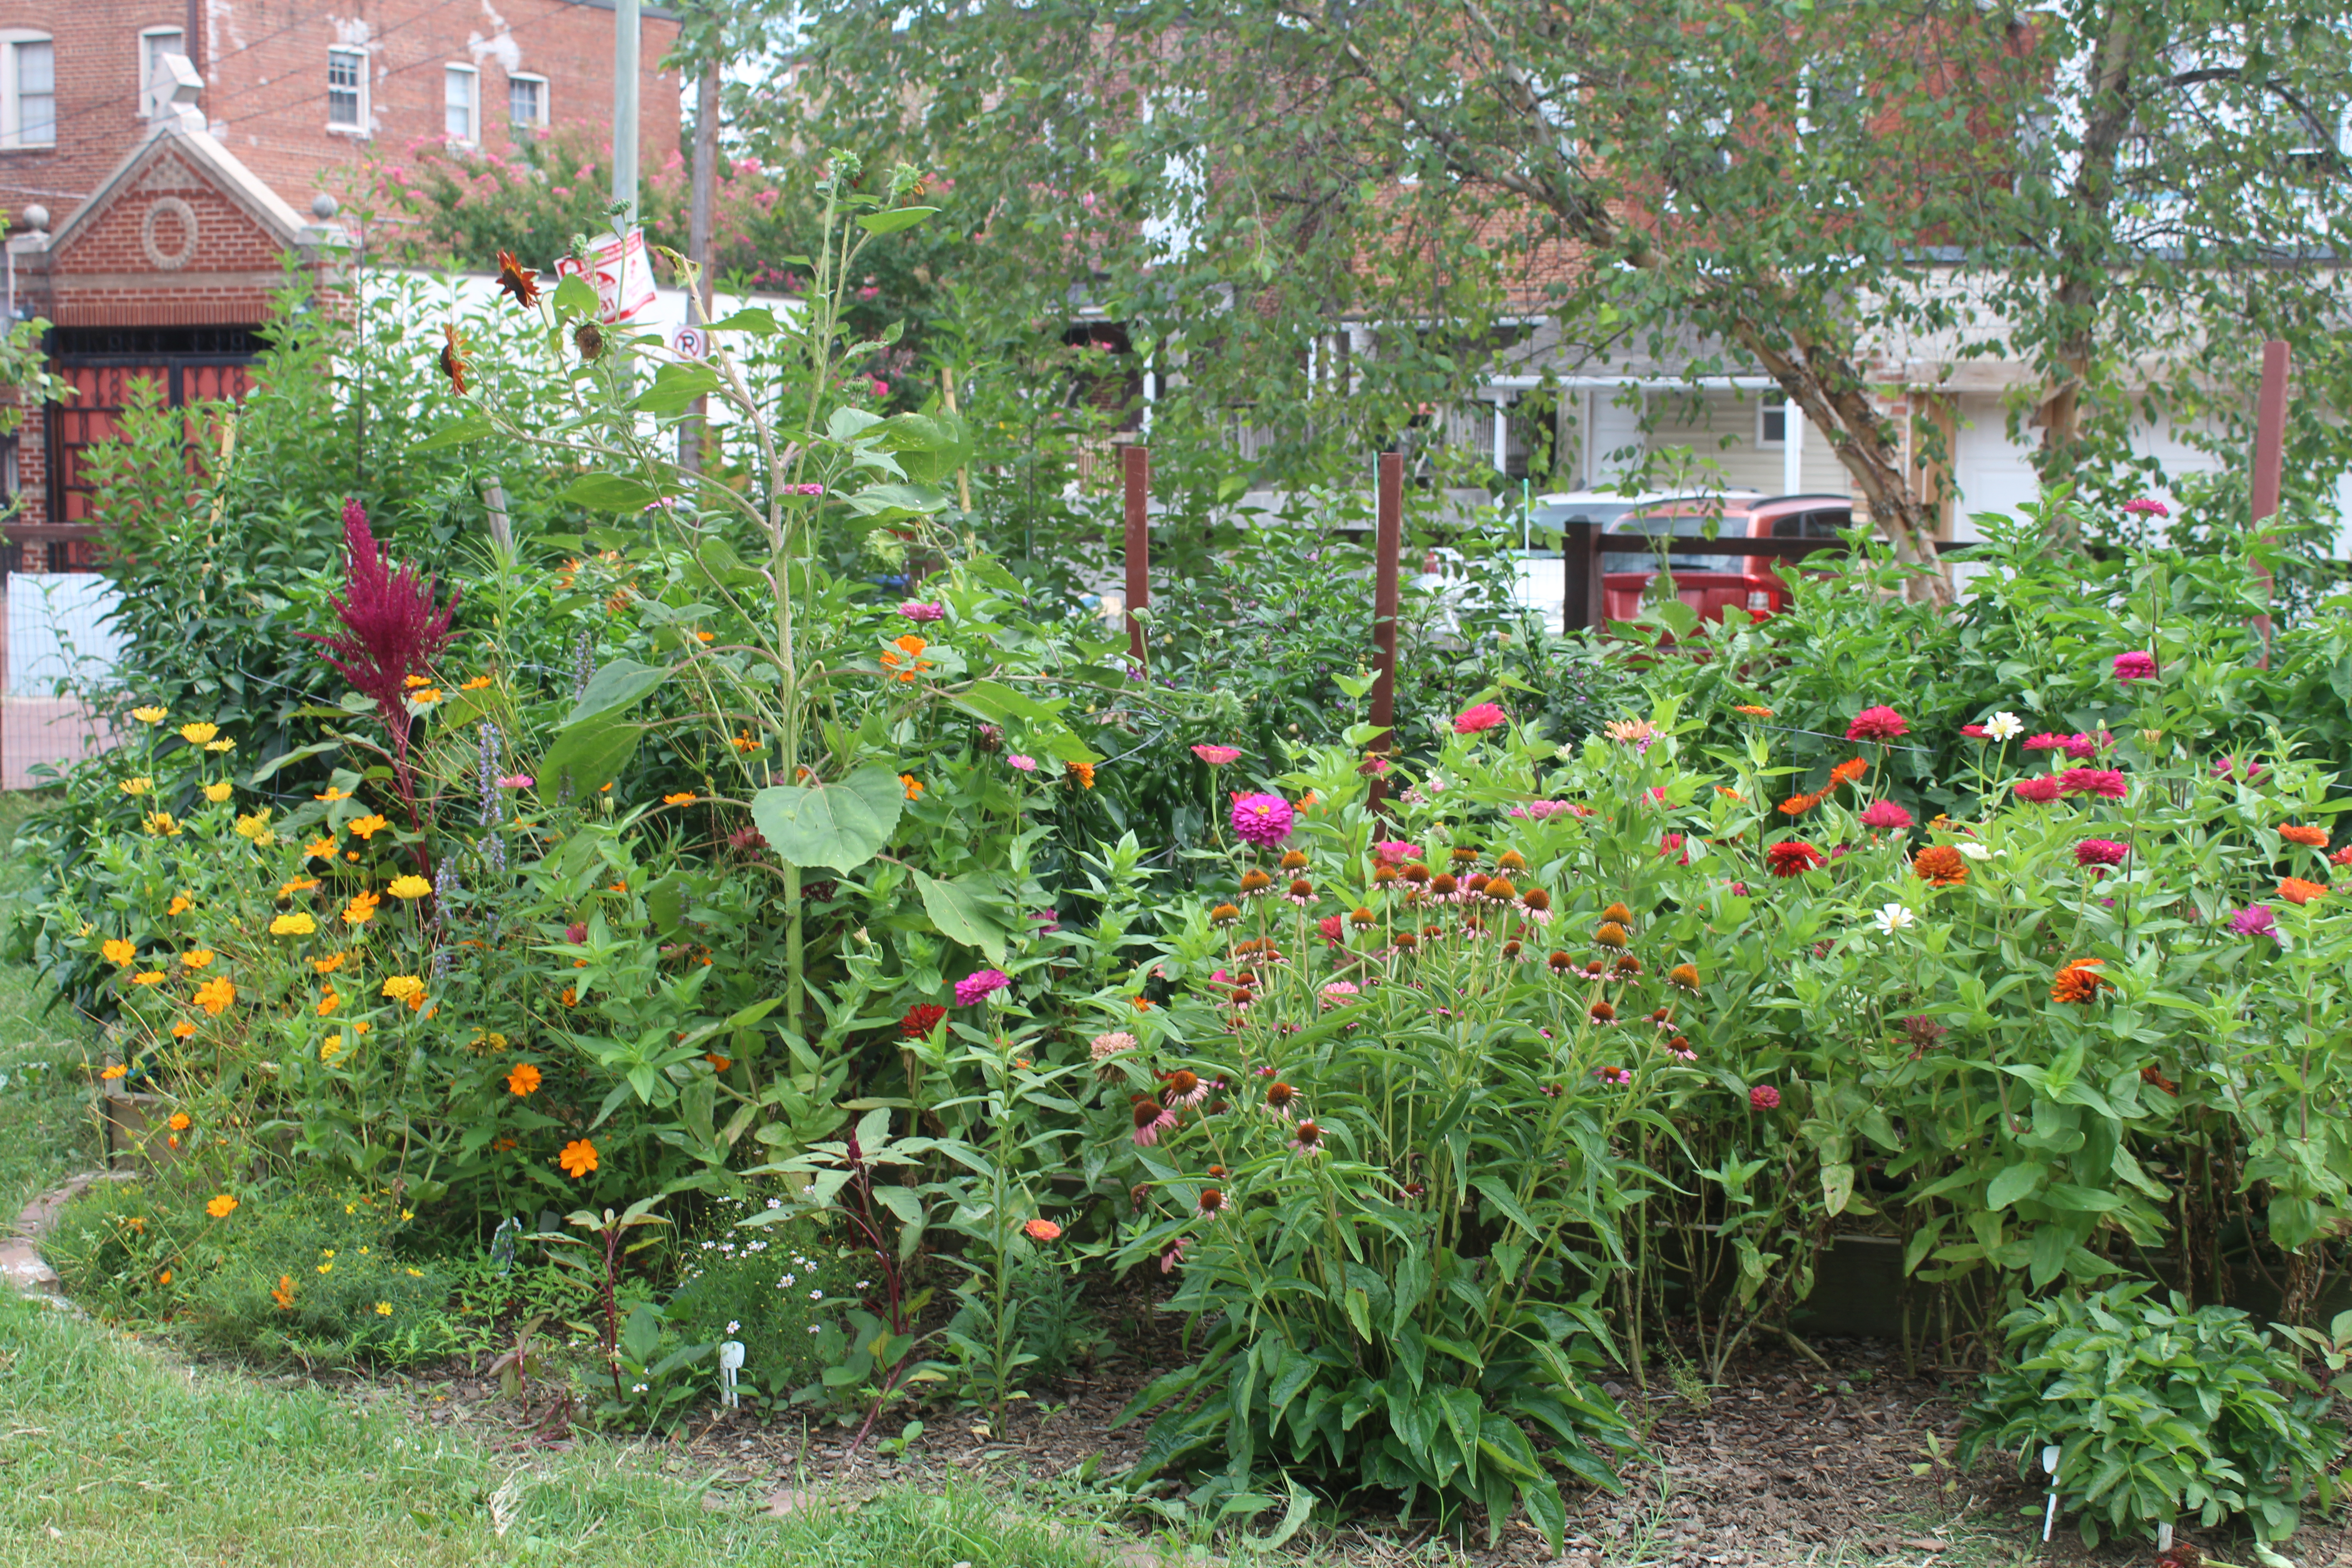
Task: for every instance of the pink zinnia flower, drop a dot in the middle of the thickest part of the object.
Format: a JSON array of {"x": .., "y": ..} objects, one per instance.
[
  {"x": 2105, "y": 783},
  {"x": 1880, "y": 723},
  {"x": 917, "y": 610},
  {"x": 2100, "y": 852},
  {"x": 1885, "y": 815},
  {"x": 1338, "y": 994},
  {"x": 1540, "y": 809},
  {"x": 2045, "y": 742},
  {"x": 1216, "y": 756},
  {"x": 1333, "y": 931},
  {"x": 2042, "y": 789},
  {"x": 2147, "y": 506},
  {"x": 1764, "y": 1096},
  {"x": 2081, "y": 748},
  {"x": 1975, "y": 732},
  {"x": 1476, "y": 720},
  {"x": 516, "y": 781},
  {"x": 1396, "y": 852},
  {"x": 1263, "y": 820},
  {"x": 2138, "y": 666},
  {"x": 1027, "y": 764},
  {"x": 2255, "y": 920},
  {"x": 2230, "y": 767},
  {"x": 979, "y": 985},
  {"x": 1672, "y": 843}
]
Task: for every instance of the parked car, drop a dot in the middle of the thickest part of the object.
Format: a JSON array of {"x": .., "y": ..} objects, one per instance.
[
  {"x": 1541, "y": 583},
  {"x": 1710, "y": 582}
]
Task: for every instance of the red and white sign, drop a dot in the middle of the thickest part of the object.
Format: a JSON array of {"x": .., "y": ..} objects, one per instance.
[{"x": 623, "y": 277}]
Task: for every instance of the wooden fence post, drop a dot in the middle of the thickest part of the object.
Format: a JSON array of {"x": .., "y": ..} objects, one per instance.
[
  {"x": 1583, "y": 591},
  {"x": 2270, "y": 462},
  {"x": 1136, "y": 472}
]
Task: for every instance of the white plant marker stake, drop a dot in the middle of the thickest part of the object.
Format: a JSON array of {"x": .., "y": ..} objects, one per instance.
[
  {"x": 731, "y": 1361},
  {"x": 2164, "y": 1538},
  {"x": 2050, "y": 1469}
]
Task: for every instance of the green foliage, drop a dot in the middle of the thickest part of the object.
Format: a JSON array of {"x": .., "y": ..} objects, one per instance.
[
  {"x": 316, "y": 1275},
  {"x": 2159, "y": 1413},
  {"x": 775, "y": 1290}
]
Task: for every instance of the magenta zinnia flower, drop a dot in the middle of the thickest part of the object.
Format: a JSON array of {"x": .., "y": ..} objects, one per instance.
[
  {"x": 1263, "y": 820},
  {"x": 2230, "y": 767},
  {"x": 2255, "y": 920},
  {"x": 2041, "y": 789},
  {"x": 2147, "y": 506},
  {"x": 2138, "y": 666},
  {"x": 1476, "y": 720},
  {"x": 1764, "y": 1096},
  {"x": 979, "y": 986},
  {"x": 2105, "y": 783},
  {"x": 1885, "y": 815},
  {"x": 1025, "y": 763},
  {"x": 1540, "y": 809},
  {"x": 919, "y": 610},
  {"x": 2100, "y": 852},
  {"x": 1216, "y": 756},
  {"x": 1396, "y": 852},
  {"x": 1880, "y": 723},
  {"x": 2045, "y": 742}
]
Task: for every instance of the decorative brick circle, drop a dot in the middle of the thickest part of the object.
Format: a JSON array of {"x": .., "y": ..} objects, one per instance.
[{"x": 169, "y": 207}]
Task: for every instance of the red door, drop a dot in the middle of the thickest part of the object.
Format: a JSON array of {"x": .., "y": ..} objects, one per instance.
[{"x": 188, "y": 367}]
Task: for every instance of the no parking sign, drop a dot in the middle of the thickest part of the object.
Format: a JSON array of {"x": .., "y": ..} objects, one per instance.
[
  {"x": 623, "y": 277},
  {"x": 690, "y": 343}
]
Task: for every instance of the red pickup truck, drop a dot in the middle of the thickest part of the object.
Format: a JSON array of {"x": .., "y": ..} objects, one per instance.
[{"x": 1724, "y": 577}]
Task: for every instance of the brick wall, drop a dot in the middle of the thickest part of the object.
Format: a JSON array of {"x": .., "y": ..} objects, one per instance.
[{"x": 265, "y": 68}]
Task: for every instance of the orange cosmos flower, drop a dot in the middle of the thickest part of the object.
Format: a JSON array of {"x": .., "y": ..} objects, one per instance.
[
  {"x": 362, "y": 909},
  {"x": 182, "y": 1030},
  {"x": 221, "y": 1206},
  {"x": 215, "y": 996},
  {"x": 579, "y": 1158},
  {"x": 328, "y": 965},
  {"x": 683, "y": 797},
  {"x": 524, "y": 1079},
  {"x": 118, "y": 950},
  {"x": 369, "y": 825}
]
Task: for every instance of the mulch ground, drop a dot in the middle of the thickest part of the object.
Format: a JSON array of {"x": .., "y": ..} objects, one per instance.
[{"x": 1783, "y": 1463}]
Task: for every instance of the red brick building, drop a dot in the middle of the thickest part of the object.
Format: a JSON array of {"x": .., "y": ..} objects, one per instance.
[{"x": 155, "y": 189}]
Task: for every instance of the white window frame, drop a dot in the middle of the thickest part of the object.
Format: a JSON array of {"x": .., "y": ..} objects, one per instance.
[
  {"x": 359, "y": 58},
  {"x": 472, "y": 77},
  {"x": 12, "y": 111},
  {"x": 536, "y": 80},
  {"x": 148, "y": 102},
  {"x": 1766, "y": 411}
]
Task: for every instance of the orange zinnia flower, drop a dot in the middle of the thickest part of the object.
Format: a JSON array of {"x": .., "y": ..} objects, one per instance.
[
  {"x": 1941, "y": 864},
  {"x": 1043, "y": 1230},
  {"x": 2295, "y": 890},
  {"x": 2079, "y": 981},
  {"x": 1798, "y": 804},
  {"x": 1082, "y": 771},
  {"x": 1849, "y": 771},
  {"x": 1752, "y": 710},
  {"x": 2309, "y": 837},
  {"x": 579, "y": 1158}
]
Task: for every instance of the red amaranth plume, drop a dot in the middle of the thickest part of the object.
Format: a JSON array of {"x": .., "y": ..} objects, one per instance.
[{"x": 392, "y": 630}]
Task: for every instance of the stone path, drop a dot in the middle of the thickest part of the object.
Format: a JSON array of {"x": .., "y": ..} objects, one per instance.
[{"x": 20, "y": 1248}]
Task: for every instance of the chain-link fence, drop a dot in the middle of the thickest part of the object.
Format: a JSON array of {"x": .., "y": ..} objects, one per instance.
[{"x": 61, "y": 648}]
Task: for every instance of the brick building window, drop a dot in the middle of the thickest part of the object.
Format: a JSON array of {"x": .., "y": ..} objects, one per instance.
[
  {"x": 346, "y": 89},
  {"x": 461, "y": 103},
  {"x": 527, "y": 100},
  {"x": 155, "y": 42},
  {"x": 28, "y": 89}
]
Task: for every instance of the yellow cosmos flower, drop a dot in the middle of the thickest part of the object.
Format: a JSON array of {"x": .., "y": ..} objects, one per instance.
[
  {"x": 479, "y": 683},
  {"x": 114, "y": 1070},
  {"x": 197, "y": 734},
  {"x": 427, "y": 697},
  {"x": 118, "y": 950},
  {"x": 369, "y": 825},
  {"x": 295, "y": 924},
  {"x": 197, "y": 957},
  {"x": 410, "y": 887},
  {"x": 383, "y": 1309},
  {"x": 148, "y": 977}
]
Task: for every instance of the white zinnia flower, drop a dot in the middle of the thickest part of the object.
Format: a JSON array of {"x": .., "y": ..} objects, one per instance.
[
  {"x": 1892, "y": 918},
  {"x": 1975, "y": 851},
  {"x": 2004, "y": 726}
]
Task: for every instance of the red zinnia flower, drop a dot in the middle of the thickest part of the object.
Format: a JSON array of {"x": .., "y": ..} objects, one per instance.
[
  {"x": 921, "y": 1019},
  {"x": 1793, "y": 858},
  {"x": 2105, "y": 783},
  {"x": 1877, "y": 724}
]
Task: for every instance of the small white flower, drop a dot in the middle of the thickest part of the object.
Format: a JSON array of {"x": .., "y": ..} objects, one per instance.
[
  {"x": 787, "y": 1282},
  {"x": 813, "y": 1327},
  {"x": 775, "y": 1202},
  {"x": 1892, "y": 918},
  {"x": 1976, "y": 851},
  {"x": 1566, "y": 753},
  {"x": 636, "y": 1388},
  {"x": 2004, "y": 726},
  {"x": 734, "y": 1327},
  {"x": 816, "y": 1295},
  {"x": 861, "y": 1284}
]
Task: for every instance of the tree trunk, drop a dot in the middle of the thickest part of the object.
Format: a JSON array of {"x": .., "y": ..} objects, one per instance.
[{"x": 2106, "y": 119}]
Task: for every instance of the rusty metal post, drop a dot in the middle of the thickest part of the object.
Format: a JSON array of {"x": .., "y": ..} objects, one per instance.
[
  {"x": 2269, "y": 463},
  {"x": 1135, "y": 464},
  {"x": 1387, "y": 543}
]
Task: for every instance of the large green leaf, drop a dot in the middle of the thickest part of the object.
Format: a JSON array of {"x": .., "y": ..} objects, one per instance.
[
  {"x": 956, "y": 907},
  {"x": 610, "y": 493},
  {"x": 894, "y": 219},
  {"x": 615, "y": 687},
  {"x": 2016, "y": 1182},
  {"x": 840, "y": 826},
  {"x": 591, "y": 756},
  {"x": 471, "y": 426}
]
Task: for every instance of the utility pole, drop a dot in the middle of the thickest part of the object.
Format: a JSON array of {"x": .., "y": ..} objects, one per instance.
[
  {"x": 698, "y": 242},
  {"x": 625, "y": 113}
]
